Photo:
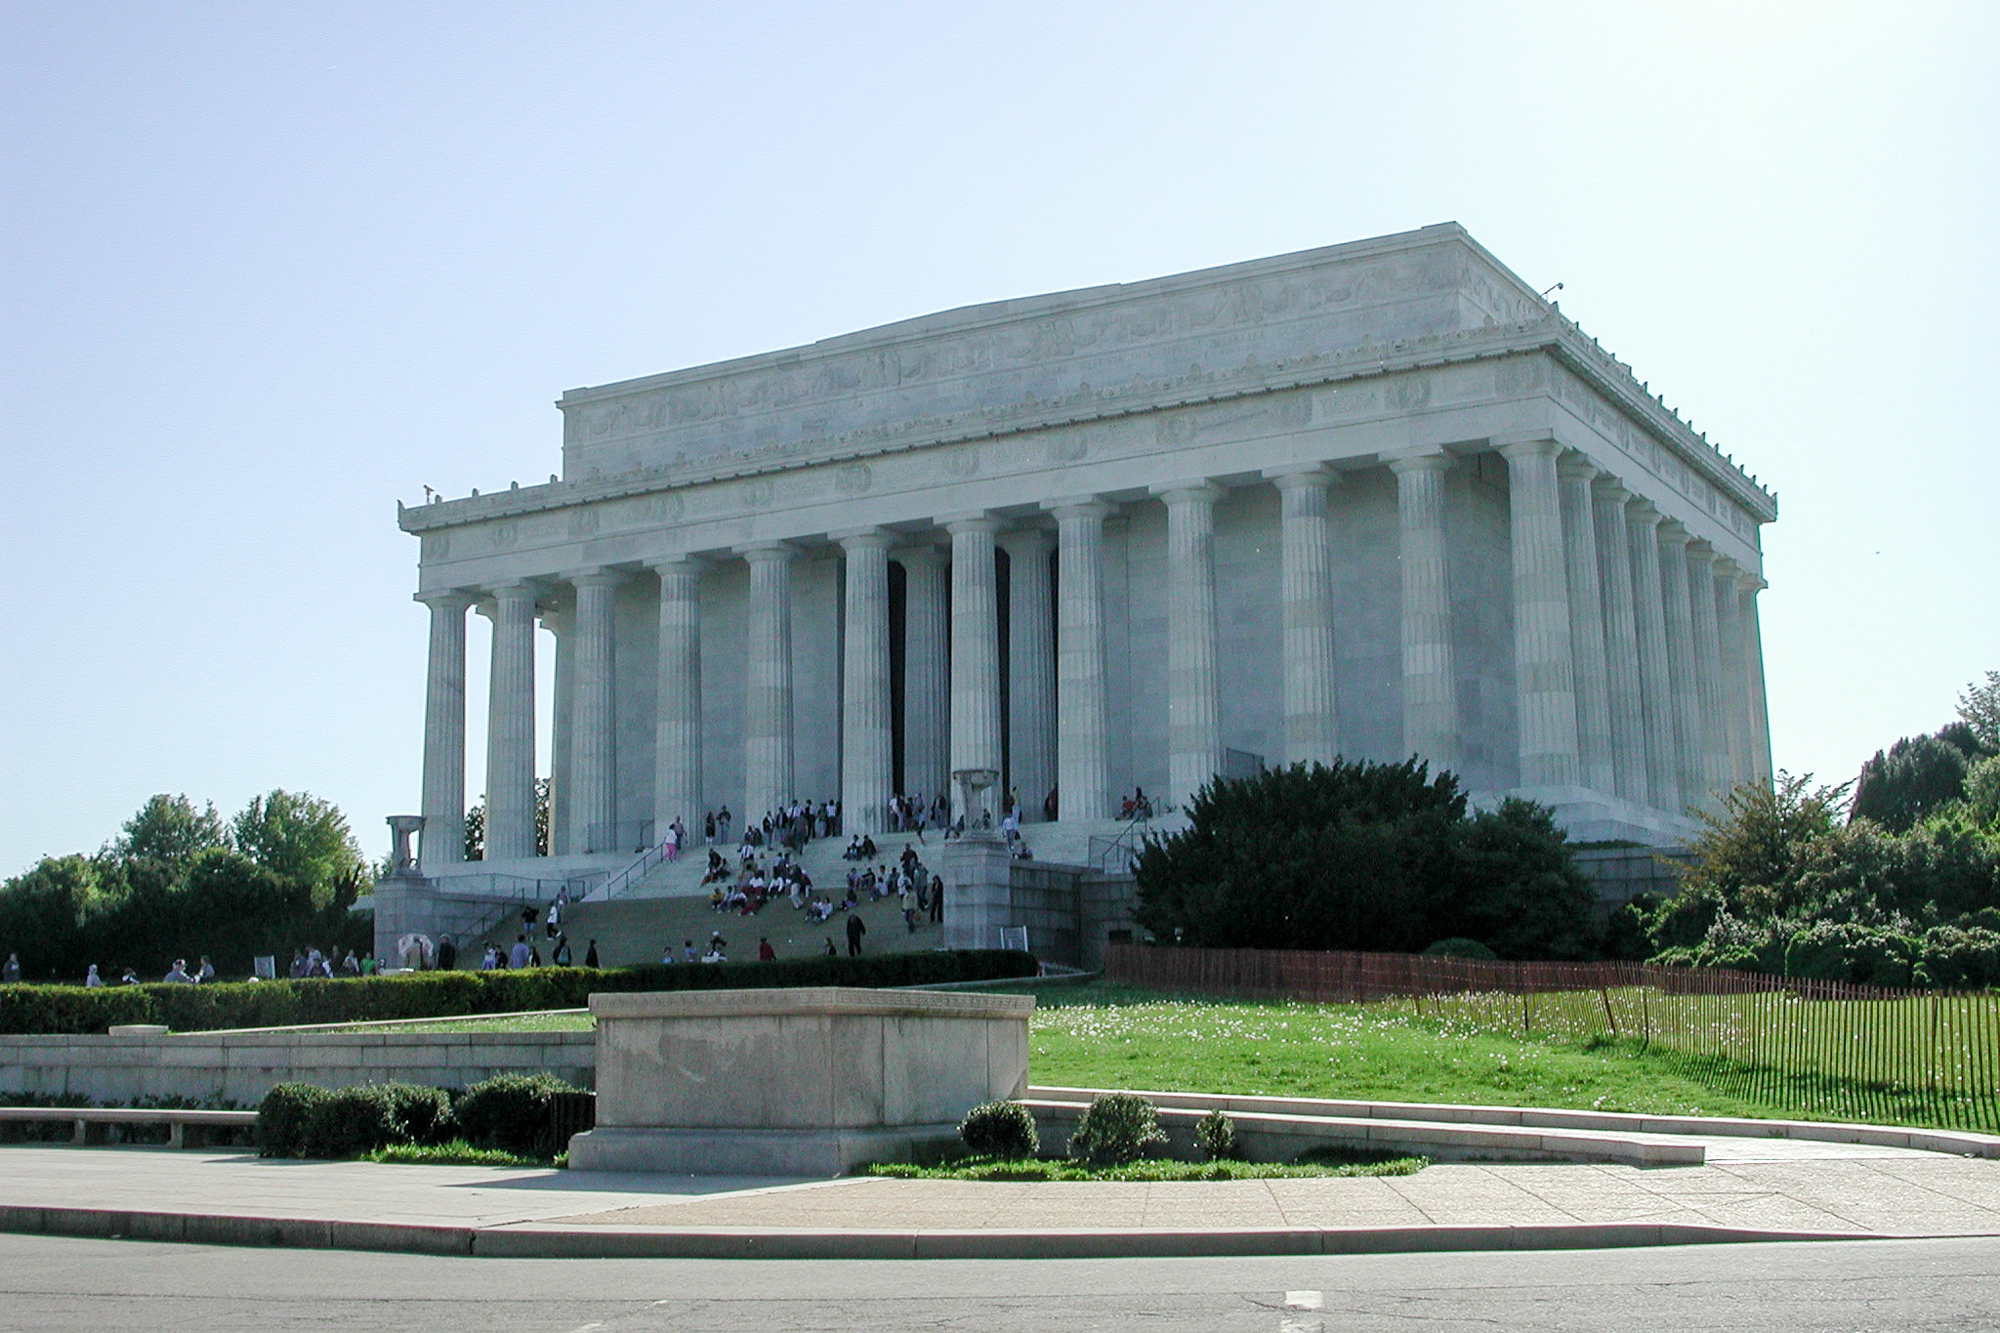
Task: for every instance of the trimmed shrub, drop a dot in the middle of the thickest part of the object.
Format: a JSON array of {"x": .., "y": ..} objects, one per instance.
[
  {"x": 1963, "y": 958},
  {"x": 76, "y": 1009},
  {"x": 1215, "y": 1136},
  {"x": 1460, "y": 947},
  {"x": 282, "y": 1117},
  {"x": 510, "y": 1112},
  {"x": 1000, "y": 1129},
  {"x": 1117, "y": 1128}
]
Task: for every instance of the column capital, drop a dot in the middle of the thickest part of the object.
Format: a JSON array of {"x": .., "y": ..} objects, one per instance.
[
  {"x": 858, "y": 539},
  {"x": 513, "y": 590},
  {"x": 1574, "y": 466},
  {"x": 675, "y": 564},
  {"x": 1187, "y": 492},
  {"x": 1725, "y": 568},
  {"x": 1746, "y": 581},
  {"x": 1303, "y": 476},
  {"x": 1611, "y": 489},
  {"x": 444, "y": 599},
  {"x": 976, "y": 520},
  {"x": 1674, "y": 533},
  {"x": 1643, "y": 513},
  {"x": 1026, "y": 541},
  {"x": 1082, "y": 506},
  {"x": 1701, "y": 552},
  {"x": 1536, "y": 444},
  {"x": 595, "y": 576},
  {"x": 920, "y": 553},
  {"x": 769, "y": 552},
  {"x": 1432, "y": 459}
]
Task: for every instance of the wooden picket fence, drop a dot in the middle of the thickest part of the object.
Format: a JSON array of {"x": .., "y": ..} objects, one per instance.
[{"x": 1823, "y": 1047}]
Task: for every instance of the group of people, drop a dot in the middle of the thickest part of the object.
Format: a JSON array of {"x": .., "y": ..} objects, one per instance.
[{"x": 307, "y": 962}]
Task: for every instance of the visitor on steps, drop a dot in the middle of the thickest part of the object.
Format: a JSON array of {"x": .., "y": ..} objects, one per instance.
[{"x": 856, "y": 928}]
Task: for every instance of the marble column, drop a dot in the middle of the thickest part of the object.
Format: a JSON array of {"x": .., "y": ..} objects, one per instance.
[
  {"x": 510, "y": 726},
  {"x": 926, "y": 679},
  {"x": 1430, "y": 683},
  {"x": 1621, "y": 642},
  {"x": 593, "y": 795},
  {"x": 1586, "y": 626},
  {"x": 1194, "y": 723},
  {"x": 1663, "y": 778},
  {"x": 867, "y": 753},
  {"x": 1031, "y": 669},
  {"x": 1753, "y": 651},
  {"x": 1733, "y": 674},
  {"x": 677, "y": 716},
  {"x": 1305, "y": 590},
  {"x": 558, "y": 619},
  {"x": 1680, "y": 663},
  {"x": 975, "y": 649},
  {"x": 767, "y": 673},
  {"x": 1544, "y": 674},
  {"x": 443, "y": 837},
  {"x": 1708, "y": 671},
  {"x": 1083, "y": 761}
]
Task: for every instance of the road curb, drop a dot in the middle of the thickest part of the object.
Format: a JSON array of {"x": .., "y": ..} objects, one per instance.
[{"x": 537, "y": 1241}]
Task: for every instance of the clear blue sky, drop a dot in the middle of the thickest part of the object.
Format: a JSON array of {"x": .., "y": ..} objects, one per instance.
[{"x": 269, "y": 268}]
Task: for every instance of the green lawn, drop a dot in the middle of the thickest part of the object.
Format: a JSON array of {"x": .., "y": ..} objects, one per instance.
[
  {"x": 1465, "y": 1049},
  {"x": 1105, "y": 1036}
]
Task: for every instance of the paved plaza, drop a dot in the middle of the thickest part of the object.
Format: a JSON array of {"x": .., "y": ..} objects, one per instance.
[{"x": 1749, "y": 1190}]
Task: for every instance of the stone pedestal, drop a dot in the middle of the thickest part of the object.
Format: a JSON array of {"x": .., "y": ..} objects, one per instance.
[
  {"x": 808, "y": 1082},
  {"x": 978, "y": 892}
]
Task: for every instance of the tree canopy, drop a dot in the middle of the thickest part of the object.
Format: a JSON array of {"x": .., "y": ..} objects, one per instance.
[{"x": 1360, "y": 855}]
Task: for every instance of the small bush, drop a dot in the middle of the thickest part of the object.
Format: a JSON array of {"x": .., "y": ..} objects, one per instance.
[
  {"x": 299, "y": 1120},
  {"x": 510, "y": 1112},
  {"x": 1215, "y": 1136},
  {"x": 281, "y": 1119},
  {"x": 1459, "y": 947},
  {"x": 1000, "y": 1129},
  {"x": 1117, "y": 1128}
]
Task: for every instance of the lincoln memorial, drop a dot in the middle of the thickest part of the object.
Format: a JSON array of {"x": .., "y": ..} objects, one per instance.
[{"x": 1371, "y": 500}]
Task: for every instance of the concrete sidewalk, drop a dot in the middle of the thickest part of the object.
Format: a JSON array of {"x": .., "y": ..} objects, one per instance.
[{"x": 1750, "y": 1191}]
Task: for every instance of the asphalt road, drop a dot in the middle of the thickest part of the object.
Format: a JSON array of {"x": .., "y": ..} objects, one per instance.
[{"x": 49, "y": 1283}]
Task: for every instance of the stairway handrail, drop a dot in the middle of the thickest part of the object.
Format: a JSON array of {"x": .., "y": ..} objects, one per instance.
[
  {"x": 1142, "y": 815},
  {"x": 624, "y": 879}
]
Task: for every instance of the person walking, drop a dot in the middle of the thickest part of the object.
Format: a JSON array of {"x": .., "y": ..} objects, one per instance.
[
  {"x": 10, "y": 971},
  {"x": 856, "y": 928},
  {"x": 590, "y": 954}
]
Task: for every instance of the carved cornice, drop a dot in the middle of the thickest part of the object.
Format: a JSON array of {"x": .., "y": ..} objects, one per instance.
[{"x": 1551, "y": 334}]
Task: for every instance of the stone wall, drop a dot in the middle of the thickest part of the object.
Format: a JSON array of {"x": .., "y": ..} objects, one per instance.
[{"x": 242, "y": 1066}]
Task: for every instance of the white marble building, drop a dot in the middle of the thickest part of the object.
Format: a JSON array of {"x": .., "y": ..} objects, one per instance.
[{"x": 1368, "y": 500}]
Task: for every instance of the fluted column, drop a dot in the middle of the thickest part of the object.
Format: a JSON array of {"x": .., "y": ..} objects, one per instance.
[
  {"x": 1031, "y": 669},
  {"x": 510, "y": 726},
  {"x": 1708, "y": 670},
  {"x": 1083, "y": 762},
  {"x": 1734, "y": 674},
  {"x": 1194, "y": 723},
  {"x": 1430, "y": 683},
  {"x": 1621, "y": 643},
  {"x": 1544, "y": 673},
  {"x": 866, "y": 742},
  {"x": 1663, "y": 777},
  {"x": 1586, "y": 626},
  {"x": 443, "y": 837},
  {"x": 1753, "y": 651},
  {"x": 767, "y": 673},
  {"x": 1680, "y": 663},
  {"x": 677, "y": 718},
  {"x": 926, "y": 683},
  {"x": 558, "y": 619},
  {"x": 1305, "y": 590},
  {"x": 593, "y": 797},
  {"x": 975, "y": 649}
]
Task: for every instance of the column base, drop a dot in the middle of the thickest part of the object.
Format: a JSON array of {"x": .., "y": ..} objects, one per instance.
[{"x": 756, "y": 1152}]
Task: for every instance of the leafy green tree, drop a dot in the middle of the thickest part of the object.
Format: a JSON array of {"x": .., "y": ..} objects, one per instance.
[
  {"x": 47, "y": 914},
  {"x": 1912, "y": 778},
  {"x": 1362, "y": 856},
  {"x": 1979, "y": 709},
  {"x": 303, "y": 837},
  {"x": 1748, "y": 857},
  {"x": 475, "y": 824},
  {"x": 169, "y": 829}
]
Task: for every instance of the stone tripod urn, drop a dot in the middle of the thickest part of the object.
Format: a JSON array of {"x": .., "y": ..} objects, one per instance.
[{"x": 807, "y": 1082}]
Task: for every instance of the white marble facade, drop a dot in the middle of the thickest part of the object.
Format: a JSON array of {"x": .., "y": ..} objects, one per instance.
[{"x": 1369, "y": 500}]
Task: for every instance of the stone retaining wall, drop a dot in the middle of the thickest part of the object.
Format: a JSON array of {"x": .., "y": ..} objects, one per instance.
[{"x": 241, "y": 1067}]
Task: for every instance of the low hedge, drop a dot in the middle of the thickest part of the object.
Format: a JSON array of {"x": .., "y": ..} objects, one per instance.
[
  {"x": 510, "y": 1112},
  {"x": 31, "y": 1009}
]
